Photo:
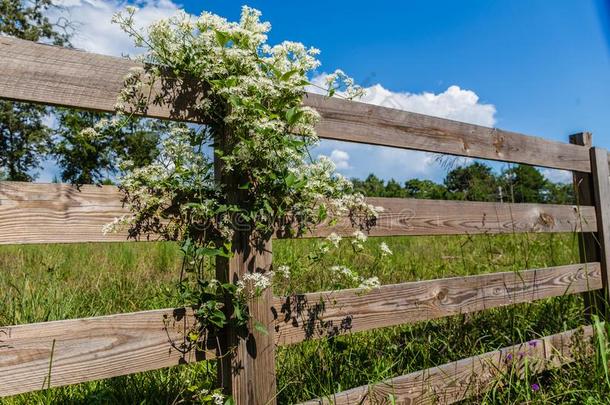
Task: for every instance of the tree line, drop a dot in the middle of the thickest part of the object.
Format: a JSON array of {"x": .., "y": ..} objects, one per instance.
[{"x": 475, "y": 182}]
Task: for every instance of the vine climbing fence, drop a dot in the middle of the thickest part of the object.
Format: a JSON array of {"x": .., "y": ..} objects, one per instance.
[{"x": 80, "y": 350}]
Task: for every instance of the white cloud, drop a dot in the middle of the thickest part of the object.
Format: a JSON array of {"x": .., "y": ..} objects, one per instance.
[
  {"x": 96, "y": 33},
  {"x": 557, "y": 176},
  {"x": 340, "y": 158},
  {"x": 454, "y": 103}
]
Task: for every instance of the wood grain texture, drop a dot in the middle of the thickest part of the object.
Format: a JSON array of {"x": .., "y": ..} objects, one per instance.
[
  {"x": 65, "y": 77},
  {"x": 91, "y": 349},
  {"x": 601, "y": 246},
  {"x": 326, "y": 314},
  {"x": 56, "y": 213},
  {"x": 403, "y": 216},
  {"x": 375, "y": 125},
  {"x": 465, "y": 378}
]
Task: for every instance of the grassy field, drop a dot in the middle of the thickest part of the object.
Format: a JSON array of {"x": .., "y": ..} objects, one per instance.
[{"x": 49, "y": 282}]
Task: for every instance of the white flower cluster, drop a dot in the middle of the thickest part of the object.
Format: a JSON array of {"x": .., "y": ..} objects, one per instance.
[
  {"x": 117, "y": 224},
  {"x": 218, "y": 398},
  {"x": 334, "y": 239},
  {"x": 385, "y": 249},
  {"x": 253, "y": 284},
  {"x": 284, "y": 271},
  {"x": 370, "y": 283},
  {"x": 346, "y": 274},
  {"x": 359, "y": 240},
  {"x": 341, "y": 83}
]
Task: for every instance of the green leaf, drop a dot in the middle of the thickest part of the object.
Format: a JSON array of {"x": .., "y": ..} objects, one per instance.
[
  {"x": 286, "y": 76},
  {"x": 222, "y": 38},
  {"x": 261, "y": 328},
  {"x": 293, "y": 115},
  {"x": 235, "y": 101},
  {"x": 290, "y": 179}
]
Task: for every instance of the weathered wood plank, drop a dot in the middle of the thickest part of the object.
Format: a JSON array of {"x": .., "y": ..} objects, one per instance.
[
  {"x": 315, "y": 315},
  {"x": 453, "y": 382},
  {"x": 65, "y": 77},
  {"x": 404, "y": 216},
  {"x": 588, "y": 245},
  {"x": 365, "y": 123},
  {"x": 91, "y": 349},
  {"x": 601, "y": 192},
  {"x": 58, "y": 213},
  {"x": 54, "y": 213}
]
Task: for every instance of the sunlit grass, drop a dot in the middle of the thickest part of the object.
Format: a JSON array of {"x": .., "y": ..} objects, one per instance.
[{"x": 53, "y": 282}]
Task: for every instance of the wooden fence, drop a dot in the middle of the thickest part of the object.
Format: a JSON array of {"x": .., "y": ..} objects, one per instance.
[{"x": 88, "y": 349}]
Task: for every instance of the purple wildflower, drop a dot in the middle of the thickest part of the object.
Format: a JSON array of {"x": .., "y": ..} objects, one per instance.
[
  {"x": 535, "y": 387},
  {"x": 532, "y": 343}
]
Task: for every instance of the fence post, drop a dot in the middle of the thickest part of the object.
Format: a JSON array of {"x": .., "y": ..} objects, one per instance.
[
  {"x": 594, "y": 189},
  {"x": 246, "y": 366}
]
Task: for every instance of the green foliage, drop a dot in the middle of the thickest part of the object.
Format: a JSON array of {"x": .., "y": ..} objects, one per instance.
[
  {"x": 476, "y": 182},
  {"x": 24, "y": 138},
  {"x": 524, "y": 184},
  {"x": 426, "y": 189},
  {"x": 27, "y": 19},
  {"x": 91, "y": 157}
]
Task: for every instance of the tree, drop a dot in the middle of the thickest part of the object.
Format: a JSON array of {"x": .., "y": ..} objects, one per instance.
[
  {"x": 393, "y": 189},
  {"x": 24, "y": 138},
  {"x": 426, "y": 189},
  {"x": 560, "y": 193},
  {"x": 372, "y": 186},
  {"x": 524, "y": 184},
  {"x": 475, "y": 182},
  {"x": 90, "y": 157}
]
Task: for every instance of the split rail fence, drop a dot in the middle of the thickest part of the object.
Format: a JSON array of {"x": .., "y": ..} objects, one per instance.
[{"x": 80, "y": 350}]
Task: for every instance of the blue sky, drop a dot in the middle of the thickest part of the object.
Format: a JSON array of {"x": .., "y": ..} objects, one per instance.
[
  {"x": 531, "y": 66},
  {"x": 543, "y": 64}
]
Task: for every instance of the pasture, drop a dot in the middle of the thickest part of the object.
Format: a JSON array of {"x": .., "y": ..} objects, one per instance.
[{"x": 54, "y": 282}]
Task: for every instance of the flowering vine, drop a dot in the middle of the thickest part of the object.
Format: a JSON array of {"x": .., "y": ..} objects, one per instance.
[{"x": 248, "y": 168}]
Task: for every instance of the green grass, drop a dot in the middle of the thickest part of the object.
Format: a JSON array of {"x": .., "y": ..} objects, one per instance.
[{"x": 51, "y": 282}]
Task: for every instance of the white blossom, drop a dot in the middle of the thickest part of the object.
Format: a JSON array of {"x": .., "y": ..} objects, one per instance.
[
  {"x": 255, "y": 282},
  {"x": 359, "y": 240},
  {"x": 370, "y": 283},
  {"x": 116, "y": 225},
  {"x": 385, "y": 249},
  {"x": 284, "y": 271},
  {"x": 218, "y": 398},
  {"x": 334, "y": 239},
  {"x": 344, "y": 271}
]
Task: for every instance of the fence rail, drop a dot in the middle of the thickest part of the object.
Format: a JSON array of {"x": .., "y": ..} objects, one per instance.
[
  {"x": 87, "y": 349},
  {"x": 464, "y": 378},
  {"x": 40, "y": 213},
  {"x": 65, "y": 77}
]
